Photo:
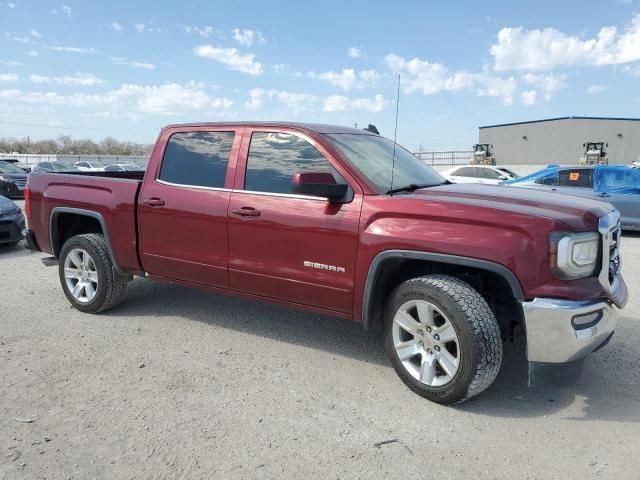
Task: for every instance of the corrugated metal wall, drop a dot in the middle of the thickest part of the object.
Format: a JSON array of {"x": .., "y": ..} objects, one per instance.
[{"x": 560, "y": 141}]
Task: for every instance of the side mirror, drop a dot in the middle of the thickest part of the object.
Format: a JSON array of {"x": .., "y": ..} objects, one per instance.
[
  {"x": 318, "y": 184},
  {"x": 503, "y": 177}
]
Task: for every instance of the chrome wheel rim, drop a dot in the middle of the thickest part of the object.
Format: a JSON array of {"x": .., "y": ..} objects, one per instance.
[
  {"x": 426, "y": 343},
  {"x": 81, "y": 275}
]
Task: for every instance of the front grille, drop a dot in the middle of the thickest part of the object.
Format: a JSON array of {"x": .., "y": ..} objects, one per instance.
[
  {"x": 609, "y": 228},
  {"x": 21, "y": 182}
]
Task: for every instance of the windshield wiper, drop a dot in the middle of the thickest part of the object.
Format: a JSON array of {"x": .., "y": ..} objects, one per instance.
[{"x": 412, "y": 187}]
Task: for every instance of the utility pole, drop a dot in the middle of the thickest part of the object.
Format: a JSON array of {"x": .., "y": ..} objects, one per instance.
[{"x": 355, "y": 125}]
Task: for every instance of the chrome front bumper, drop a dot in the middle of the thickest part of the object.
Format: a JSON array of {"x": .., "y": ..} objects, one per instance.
[{"x": 560, "y": 331}]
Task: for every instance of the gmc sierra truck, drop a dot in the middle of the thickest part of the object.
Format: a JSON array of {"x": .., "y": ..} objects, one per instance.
[{"x": 344, "y": 222}]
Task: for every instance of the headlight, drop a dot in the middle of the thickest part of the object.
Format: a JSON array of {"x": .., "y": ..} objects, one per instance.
[
  {"x": 573, "y": 255},
  {"x": 5, "y": 179}
]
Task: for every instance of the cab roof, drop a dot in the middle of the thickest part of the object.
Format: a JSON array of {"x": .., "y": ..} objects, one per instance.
[{"x": 312, "y": 127}]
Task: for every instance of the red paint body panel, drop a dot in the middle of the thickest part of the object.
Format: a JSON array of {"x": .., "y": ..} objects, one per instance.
[{"x": 199, "y": 238}]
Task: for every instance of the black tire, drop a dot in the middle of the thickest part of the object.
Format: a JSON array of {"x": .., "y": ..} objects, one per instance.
[
  {"x": 475, "y": 325},
  {"x": 111, "y": 289}
]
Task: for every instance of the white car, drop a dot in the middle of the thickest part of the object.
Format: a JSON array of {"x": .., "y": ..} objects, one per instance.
[
  {"x": 487, "y": 174},
  {"x": 89, "y": 166}
]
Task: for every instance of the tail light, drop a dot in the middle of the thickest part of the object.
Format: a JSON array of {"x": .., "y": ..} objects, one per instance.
[{"x": 27, "y": 202}]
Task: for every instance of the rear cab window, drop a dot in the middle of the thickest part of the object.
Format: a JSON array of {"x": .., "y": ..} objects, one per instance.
[{"x": 197, "y": 159}]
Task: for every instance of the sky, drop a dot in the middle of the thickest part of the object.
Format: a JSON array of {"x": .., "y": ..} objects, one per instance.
[{"x": 125, "y": 69}]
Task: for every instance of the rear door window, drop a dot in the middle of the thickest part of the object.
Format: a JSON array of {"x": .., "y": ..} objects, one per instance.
[
  {"x": 197, "y": 159},
  {"x": 468, "y": 172},
  {"x": 576, "y": 177}
]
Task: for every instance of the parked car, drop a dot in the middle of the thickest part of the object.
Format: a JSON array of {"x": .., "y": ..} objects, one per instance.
[
  {"x": 89, "y": 166},
  {"x": 25, "y": 168},
  {"x": 12, "y": 224},
  {"x": 123, "y": 167},
  {"x": 12, "y": 180},
  {"x": 487, "y": 174},
  {"x": 619, "y": 185},
  {"x": 57, "y": 166},
  {"x": 308, "y": 216}
]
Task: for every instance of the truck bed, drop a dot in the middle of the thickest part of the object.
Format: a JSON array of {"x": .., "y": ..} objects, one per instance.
[{"x": 111, "y": 198}]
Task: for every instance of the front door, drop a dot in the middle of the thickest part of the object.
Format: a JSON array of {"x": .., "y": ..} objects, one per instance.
[
  {"x": 291, "y": 247},
  {"x": 183, "y": 207}
]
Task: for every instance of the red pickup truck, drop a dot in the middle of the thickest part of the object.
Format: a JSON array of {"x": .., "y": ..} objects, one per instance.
[{"x": 344, "y": 222}]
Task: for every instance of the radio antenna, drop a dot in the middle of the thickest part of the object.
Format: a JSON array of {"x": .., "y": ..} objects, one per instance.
[{"x": 395, "y": 137}]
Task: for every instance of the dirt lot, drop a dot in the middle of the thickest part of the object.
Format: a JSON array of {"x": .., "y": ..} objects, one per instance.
[{"x": 183, "y": 384}]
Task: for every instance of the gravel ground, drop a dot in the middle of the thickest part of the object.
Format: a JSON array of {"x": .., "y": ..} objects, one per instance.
[{"x": 177, "y": 383}]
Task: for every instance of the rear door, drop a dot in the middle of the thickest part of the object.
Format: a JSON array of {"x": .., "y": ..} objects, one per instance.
[
  {"x": 290, "y": 247},
  {"x": 183, "y": 206}
]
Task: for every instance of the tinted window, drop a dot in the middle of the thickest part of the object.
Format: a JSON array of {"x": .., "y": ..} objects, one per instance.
[
  {"x": 469, "y": 172},
  {"x": 490, "y": 174},
  {"x": 197, "y": 158},
  {"x": 373, "y": 156},
  {"x": 112, "y": 168},
  {"x": 550, "y": 178},
  {"x": 576, "y": 177},
  {"x": 82, "y": 164},
  {"x": 275, "y": 157}
]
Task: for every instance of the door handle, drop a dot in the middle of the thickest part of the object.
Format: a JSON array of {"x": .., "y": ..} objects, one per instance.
[
  {"x": 153, "y": 202},
  {"x": 246, "y": 212},
  {"x": 603, "y": 194}
]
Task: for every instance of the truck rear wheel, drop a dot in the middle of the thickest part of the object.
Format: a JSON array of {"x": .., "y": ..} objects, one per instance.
[
  {"x": 442, "y": 338},
  {"x": 86, "y": 274}
]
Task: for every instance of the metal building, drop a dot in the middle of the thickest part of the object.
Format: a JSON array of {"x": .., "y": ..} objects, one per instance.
[{"x": 560, "y": 140}]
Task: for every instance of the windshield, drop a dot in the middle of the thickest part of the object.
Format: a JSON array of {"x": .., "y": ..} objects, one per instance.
[
  {"x": 9, "y": 168},
  {"x": 372, "y": 156},
  {"x": 510, "y": 172}
]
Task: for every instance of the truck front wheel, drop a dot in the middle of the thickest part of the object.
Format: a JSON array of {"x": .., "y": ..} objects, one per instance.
[
  {"x": 442, "y": 338},
  {"x": 86, "y": 274}
]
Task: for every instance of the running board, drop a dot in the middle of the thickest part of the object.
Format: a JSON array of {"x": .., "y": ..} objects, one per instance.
[{"x": 49, "y": 261}]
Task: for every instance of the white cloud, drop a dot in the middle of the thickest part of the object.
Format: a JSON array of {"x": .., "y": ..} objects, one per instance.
[
  {"x": 132, "y": 63},
  {"x": 547, "y": 84},
  {"x": 355, "y": 52},
  {"x": 142, "y": 28},
  {"x": 595, "y": 89},
  {"x": 16, "y": 38},
  {"x": 340, "y": 103},
  {"x": 33, "y": 53},
  {"x": 205, "y": 32},
  {"x": 432, "y": 78},
  {"x": 11, "y": 63},
  {"x": 64, "y": 9},
  {"x": 35, "y": 33},
  {"x": 520, "y": 49},
  {"x": 131, "y": 100},
  {"x": 231, "y": 57},
  {"x": 11, "y": 5},
  {"x": 9, "y": 77},
  {"x": 294, "y": 101},
  {"x": 72, "y": 49},
  {"x": 529, "y": 97},
  {"x": 116, "y": 26},
  {"x": 246, "y": 38},
  {"x": 347, "y": 78},
  {"x": 82, "y": 79}
]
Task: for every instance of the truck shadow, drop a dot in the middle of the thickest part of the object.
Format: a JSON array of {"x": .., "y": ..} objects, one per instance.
[{"x": 609, "y": 388}]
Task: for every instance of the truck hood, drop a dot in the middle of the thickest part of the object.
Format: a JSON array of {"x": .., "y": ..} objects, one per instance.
[{"x": 577, "y": 212}]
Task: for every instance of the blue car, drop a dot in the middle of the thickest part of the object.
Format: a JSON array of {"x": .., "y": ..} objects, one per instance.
[{"x": 616, "y": 184}]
